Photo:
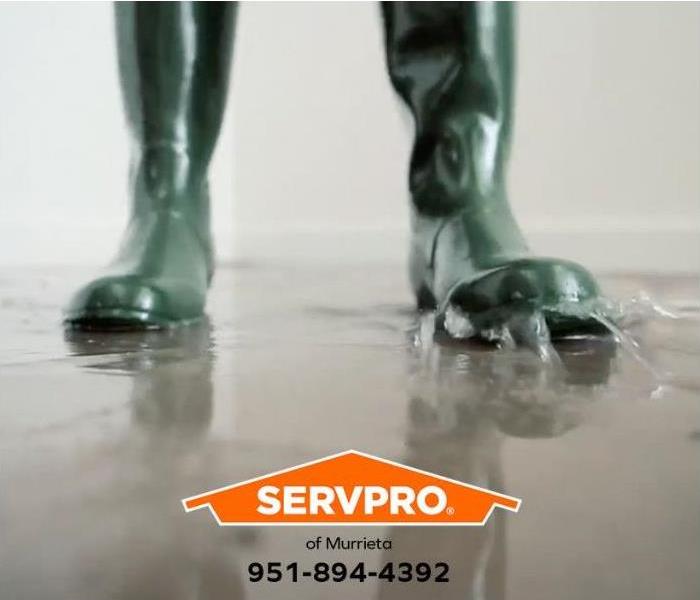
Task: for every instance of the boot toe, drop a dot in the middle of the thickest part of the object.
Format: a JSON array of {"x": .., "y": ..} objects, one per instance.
[
  {"x": 564, "y": 291},
  {"x": 129, "y": 302}
]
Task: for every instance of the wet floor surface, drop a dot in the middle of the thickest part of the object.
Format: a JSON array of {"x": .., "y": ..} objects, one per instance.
[{"x": 102, "y": 435}]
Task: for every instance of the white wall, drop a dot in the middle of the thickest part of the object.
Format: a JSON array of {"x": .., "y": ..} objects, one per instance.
[{"x": 605, "y": 163}]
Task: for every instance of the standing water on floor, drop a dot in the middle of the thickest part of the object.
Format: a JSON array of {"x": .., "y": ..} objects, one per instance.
[{"x": 101, "y": 436}]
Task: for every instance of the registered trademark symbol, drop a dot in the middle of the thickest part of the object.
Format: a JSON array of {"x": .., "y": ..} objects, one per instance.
[{"x": 450, "y": 510}]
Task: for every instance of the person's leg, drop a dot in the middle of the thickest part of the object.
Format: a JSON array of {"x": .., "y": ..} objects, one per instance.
[
  {"x": 174, "y": 60},
  {"x": 453, "y": 65}
]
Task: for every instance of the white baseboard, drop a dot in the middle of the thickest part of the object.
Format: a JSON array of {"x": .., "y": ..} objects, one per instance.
[
  {"x": 651, "y": 251},
  {"x": 672, "y": 248}
]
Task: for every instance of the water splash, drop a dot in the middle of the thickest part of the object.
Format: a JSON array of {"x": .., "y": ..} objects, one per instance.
[
  {"x": 630, "y": 345},
  {"x": 525, "y": 327},
  {"x": 529, "y": 329},
  {"x": 424, "y": 332},
  {"x": 453, "y": 385},
  {"x": 458, "y": 324},
  {"x": 643, "y": 306}
]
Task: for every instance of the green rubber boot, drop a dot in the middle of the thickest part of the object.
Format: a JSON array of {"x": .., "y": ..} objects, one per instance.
[
  {"x": 453, "y": 65},
  {"x": 174, "y": 61}
]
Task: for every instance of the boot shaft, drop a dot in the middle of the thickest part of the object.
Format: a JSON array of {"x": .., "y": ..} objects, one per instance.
[
  {"x": 174, "y": 64},
  {"x": 453, "y": 65}
]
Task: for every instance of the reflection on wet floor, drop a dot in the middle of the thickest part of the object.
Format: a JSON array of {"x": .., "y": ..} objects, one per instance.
[{"x": 102, "y": 435}]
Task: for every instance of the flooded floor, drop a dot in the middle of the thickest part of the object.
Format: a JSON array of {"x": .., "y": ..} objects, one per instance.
[{"x": 101, "y": 436}]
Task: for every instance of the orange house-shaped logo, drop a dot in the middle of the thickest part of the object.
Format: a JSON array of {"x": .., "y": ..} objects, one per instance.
[{"x": 351, "y": 488}]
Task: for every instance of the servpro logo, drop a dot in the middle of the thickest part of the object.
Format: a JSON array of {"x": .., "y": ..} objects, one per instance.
[
  {"x": 351, "y": 488},
  {"x": 322, "y": 499}
]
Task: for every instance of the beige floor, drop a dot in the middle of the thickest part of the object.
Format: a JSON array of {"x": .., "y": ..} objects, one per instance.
[{"x": 101, "y": 436}]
